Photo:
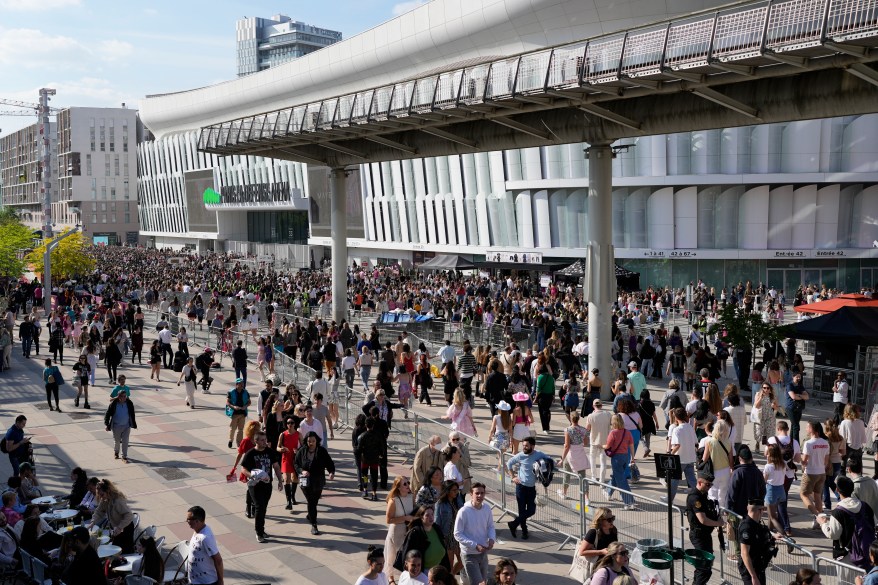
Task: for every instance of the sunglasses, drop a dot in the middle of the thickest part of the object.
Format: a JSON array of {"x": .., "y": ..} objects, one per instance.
[
  {"x": 455, "y": 440},
  {"x": 624, "y": 553},
  {"x": 406, "y": 483},
  {"x": 610, "y": 518}
]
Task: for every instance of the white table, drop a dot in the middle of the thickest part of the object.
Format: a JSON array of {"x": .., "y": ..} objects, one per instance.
[
  {"x": 59, "y": 515},
  {"x": 108, "y": 550},
  {"x": 44, "y": 501},
  {"x": 129, "y": 564}
]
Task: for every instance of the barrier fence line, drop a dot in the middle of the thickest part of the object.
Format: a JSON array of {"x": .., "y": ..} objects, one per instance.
[{"x": 834, "y": 572}]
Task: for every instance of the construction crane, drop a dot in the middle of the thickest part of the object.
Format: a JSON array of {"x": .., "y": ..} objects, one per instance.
[{"x": 42, "y": 110}]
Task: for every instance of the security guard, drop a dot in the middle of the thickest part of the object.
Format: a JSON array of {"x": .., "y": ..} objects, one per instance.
[
  {"x": 703, "y": 517},
  {"x": 758, "y": 545}
]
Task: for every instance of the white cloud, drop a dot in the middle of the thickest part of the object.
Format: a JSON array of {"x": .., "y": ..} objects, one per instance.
[
  {"x": 403, "y": 7},
  {"x": 30, "y": 48},
  {"x": 36, "y": 5},
  {"x": 114, "y": 50},
  {"x": 150, "y": 12}
]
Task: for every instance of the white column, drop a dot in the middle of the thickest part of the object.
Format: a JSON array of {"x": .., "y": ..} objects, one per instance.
[
  {"x": 339, "y": 231},
  {"x": 600, "y": 285}
]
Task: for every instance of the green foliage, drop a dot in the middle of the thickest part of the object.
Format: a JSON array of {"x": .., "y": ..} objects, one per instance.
[
  {"x": 69, "y": 259},
  {"x": 15, "y": 238},
  {"x": 746, "y": 330}
]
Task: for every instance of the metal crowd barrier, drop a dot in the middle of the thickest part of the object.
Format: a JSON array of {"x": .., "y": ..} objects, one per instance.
[{"x": 834, "y": 572}]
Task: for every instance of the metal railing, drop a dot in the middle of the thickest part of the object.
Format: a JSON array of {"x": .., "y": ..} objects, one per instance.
[
  {"x": 835, "y": 572},
  {"x": 738, "y": 33}
]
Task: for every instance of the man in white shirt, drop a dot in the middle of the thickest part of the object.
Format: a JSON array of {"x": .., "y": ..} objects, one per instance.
[
  {"x": 446, "y": 354},
  {"x": 474, "y": 530},
  {"x": 165, "y": 338},
  {"x": 815, "y": 453},
  {"x": 840, "y": 391},
  {"x": 311, "y": 424},
  {"x": 204, "y": 565},
  {"x": 598, "y": 424},
  {"x": 684, "y": 443},
  {"x": 317, "y": 385}
]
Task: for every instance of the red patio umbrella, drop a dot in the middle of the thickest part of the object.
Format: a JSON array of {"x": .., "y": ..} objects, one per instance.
[{"x": 850, "y": 300}]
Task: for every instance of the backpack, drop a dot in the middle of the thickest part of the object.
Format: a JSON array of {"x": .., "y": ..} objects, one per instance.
[
  {"x": 544, "y": 469},
  {"x": 3, "y": 445},
  {"x": 862, "y": 536},
  {"x": 571, "y": 400},
  {"x": 786, "y": 452}
]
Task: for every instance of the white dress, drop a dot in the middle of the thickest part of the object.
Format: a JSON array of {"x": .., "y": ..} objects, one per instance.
[{"x": 403, "y": 506}]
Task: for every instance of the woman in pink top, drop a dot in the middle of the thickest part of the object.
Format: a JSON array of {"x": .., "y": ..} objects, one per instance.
[{"x": 620, "y": 449}]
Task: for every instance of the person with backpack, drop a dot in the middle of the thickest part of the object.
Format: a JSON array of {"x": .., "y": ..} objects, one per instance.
[
  {"x": 525, "y": 481},
  {"x": 237, "y": 402},
  {"x": 789, "y": 449},
  {"x": 851, "y": 526}
]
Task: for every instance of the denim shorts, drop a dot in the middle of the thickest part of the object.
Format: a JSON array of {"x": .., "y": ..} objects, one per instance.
[{"x": 774, "y": 494}]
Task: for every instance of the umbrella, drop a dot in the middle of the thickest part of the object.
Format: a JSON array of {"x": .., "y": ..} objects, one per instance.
[{"x": 835, "y": 303}]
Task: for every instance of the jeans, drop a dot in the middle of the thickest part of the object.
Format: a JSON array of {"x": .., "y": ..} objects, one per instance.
[
  {"x": 364, "y": 376},
  {"x": 526, "y": 497},
  {"x": 829, "y": 486},
  {"x": 120, "y": 436},
  {"x": 795, "y": 414},
  {"x": 241, "y": 372},
  {"x": 370, "y": 470},
  {"x": 260, "y": 494},
  {"x": 167, "y": 354},
  {"x": 618, "y": 478},
  {"x": 475, "y": 565},
  {"x": 782, "y": 513},
  {"x": 26, "y": 345},
  {"x": 52, "y": 390},
  {"x": 689, "y": 474},
  {"x": 312, "y": 492}
]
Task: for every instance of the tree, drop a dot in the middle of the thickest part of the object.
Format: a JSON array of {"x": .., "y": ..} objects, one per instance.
[
  {"x": 69, "y": 259},
  {"x": 746, "y": 331},
  {"x": 15, "y": 238}
]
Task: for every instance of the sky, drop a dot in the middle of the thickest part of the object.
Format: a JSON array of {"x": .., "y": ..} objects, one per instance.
[{"x": 103, "y": 53}]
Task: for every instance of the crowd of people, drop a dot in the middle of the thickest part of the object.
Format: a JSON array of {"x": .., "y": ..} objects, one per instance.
[{"x": 434, "y": 532}]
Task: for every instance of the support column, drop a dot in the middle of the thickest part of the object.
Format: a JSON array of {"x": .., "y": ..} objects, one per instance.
[
  {"x": 339, "y": 232},
  {"x": 600, "y": 274}
]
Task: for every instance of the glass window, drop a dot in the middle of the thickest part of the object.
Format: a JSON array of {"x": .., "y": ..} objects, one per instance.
[
  {"x": 711, "y": 272},
  {"x": 684, "y": 272}
]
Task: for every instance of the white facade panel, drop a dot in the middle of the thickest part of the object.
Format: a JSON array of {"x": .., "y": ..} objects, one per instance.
[
  {"x": 686, "y": 218},
  {"x": 780, "y": 210},
  {"x": 804, "y": 217},
  {"x": 753, "y": 219},
  {"x": 660, "y": 217}
]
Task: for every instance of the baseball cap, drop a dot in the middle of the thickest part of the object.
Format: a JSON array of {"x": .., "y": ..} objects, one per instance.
[{"x": 239, "y": 380}]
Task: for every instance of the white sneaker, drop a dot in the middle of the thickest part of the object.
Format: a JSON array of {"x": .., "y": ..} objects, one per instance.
[
  {"x": 545, "y": 432},
  {"x": 629, "y": 507}
]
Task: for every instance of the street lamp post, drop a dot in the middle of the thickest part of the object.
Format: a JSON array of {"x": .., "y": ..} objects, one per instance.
[{"x": 47, "y": 269}]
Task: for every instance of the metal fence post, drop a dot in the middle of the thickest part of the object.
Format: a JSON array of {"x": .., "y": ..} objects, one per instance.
[
  {"x": 417, "y": 434},
  {"x": 583, "y": 503}
]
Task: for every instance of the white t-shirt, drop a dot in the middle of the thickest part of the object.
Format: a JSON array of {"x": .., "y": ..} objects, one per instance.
[
  {"x": 817, "y": 451},
  {"x": 406, "y": 579},
  {"x": 840, "y": 394},
  {"x": 684, "y": 435},
  {"x": 853, "y": 432},
  {"x": 381, "y": 579},
  {"x": 774, "y": 476},
  {"x": 691, "y": 406},
  {"x": 452, "y": 473},
  {"x": 786, "y": 441},
  {"x": 348, "y": 362},
  {"x": 199, "y": 564}
]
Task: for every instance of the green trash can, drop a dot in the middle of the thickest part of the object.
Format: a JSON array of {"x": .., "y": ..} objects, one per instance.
[
  {"x": 658, "y": 560},
  {"x": 699, "y": 559}
]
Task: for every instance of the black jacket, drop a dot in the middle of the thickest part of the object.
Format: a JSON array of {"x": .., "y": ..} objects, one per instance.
[
  {"x": 747, "y": 483},
  {"x": 370, "y": 447},
  {"x": 417, "y": 539},
  {"x": 495, "y": 386},
  {"x": 318, "y": 466},
  {"x": 111, "y": 410}
]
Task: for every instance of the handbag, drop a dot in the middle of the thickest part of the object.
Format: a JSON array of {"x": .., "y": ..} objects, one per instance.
[
  {"x": 399, "y": 561},
  {"x": 755, "y": 414},
  {"x": 581, "y": 569},
  {"x": 635, "y": 473}
]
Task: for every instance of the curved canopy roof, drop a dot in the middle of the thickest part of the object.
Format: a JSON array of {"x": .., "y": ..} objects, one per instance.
[{"x": 434, "y": 37}]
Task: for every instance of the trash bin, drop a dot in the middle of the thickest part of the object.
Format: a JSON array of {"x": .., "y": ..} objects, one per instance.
[
  {"x": 698, "y": 558},
  {"x": 651, "y": 544}
]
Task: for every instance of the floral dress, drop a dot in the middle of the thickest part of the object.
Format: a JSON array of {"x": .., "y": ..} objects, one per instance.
[{"x": 767, "y": 422}]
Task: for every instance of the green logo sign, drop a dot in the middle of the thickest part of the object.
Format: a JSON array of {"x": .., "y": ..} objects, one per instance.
[{"x": 211, "y": 197}]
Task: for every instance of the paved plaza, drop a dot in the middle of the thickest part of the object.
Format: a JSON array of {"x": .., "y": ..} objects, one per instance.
[{"x": 179, "y": 458}]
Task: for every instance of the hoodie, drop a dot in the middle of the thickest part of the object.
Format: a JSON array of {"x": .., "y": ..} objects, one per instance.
[{"x": 840, "y": 526}]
